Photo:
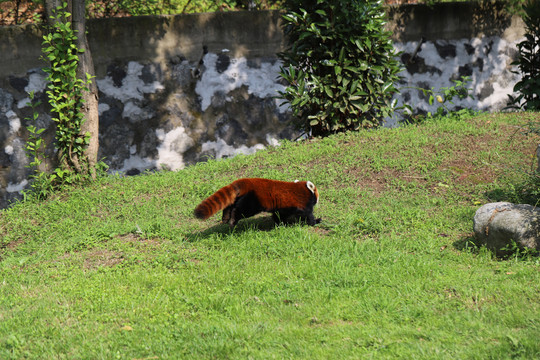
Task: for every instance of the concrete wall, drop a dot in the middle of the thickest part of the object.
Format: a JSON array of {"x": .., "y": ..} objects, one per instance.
[
  {"x": 442, "y": 43},
  {"x": 175, "y": 90},
  {"x": 153, "y": 39},
  {"x": 452, "y": 21}
]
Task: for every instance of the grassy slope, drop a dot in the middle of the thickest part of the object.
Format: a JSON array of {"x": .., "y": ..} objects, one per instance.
[{"x": 122, "y": 269}]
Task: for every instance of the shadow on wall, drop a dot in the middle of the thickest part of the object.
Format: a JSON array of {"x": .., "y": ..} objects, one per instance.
[
  {"x": 161, "y": 38},
  {"x": 450, "y": 21}
]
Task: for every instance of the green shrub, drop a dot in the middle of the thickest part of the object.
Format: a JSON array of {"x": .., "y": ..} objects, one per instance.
[
  {"x": 341, "y": 66},
  {"x": 529, "y": 61}
]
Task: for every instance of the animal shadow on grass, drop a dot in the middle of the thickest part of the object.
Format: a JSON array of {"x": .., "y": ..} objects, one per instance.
[{"x": 260, "y": 223}]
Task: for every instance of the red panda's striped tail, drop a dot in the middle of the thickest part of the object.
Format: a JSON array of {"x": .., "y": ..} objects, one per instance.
[{"x": 222, "y": 198}]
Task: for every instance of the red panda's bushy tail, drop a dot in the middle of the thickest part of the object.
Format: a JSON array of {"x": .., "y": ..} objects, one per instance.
[{"x": 219, "y": 200}]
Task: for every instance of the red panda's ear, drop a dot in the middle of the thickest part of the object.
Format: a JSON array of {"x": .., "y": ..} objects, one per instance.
[{"x": 313, "y": 189}]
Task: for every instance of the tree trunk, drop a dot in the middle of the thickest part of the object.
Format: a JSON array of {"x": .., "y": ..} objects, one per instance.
[
  {"x": 86, "y": 66},
  {"x": 50, "y": 7}
]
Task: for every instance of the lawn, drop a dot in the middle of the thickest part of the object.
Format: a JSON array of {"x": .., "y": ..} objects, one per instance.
[{"x": 122, "y": 269}]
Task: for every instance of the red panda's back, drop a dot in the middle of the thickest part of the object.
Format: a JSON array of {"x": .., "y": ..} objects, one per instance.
[{"x": 274, "y": 194}]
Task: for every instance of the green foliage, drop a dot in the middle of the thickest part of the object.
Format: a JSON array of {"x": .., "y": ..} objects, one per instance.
[
  {"x": 442, "y": 96},
  {"x": 31, "y": 11},
  {"x": 514, "y": 6},
  {"x": 516, "y": 252},
  {"x": 35, "y": 149},
  {"x": 108, "y": 8},
  {"x": 45, "y": 182},
  {"x": 529, "y": 61},
  {"x": 528, "y": 191},
  {"x": 135, "y": 7},
  {"x": 340, "y": 68},
  {"x": 25, "y": 11}
]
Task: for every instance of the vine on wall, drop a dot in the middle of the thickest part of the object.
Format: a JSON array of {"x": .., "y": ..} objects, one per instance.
[{"x": 65, "y": 97}]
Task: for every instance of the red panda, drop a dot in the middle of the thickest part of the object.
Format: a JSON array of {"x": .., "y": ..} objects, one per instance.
[{"x": 247, "y": 197}]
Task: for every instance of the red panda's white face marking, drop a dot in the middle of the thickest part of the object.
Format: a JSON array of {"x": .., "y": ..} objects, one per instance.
[{"x": 313, "y": 189}]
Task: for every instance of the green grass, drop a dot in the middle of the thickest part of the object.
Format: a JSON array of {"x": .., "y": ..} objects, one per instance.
[{"x": 121, "y": 269}]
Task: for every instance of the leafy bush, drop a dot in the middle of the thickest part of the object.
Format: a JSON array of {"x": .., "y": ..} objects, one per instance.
[
  {"x": 529, "y": 61},
  {"x": 341, "y": 65}
]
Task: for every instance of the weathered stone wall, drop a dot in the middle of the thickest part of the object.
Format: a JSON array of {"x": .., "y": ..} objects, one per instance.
[
  {"x": 175, "y": 90},
  {"x": 442, "y": 43}
]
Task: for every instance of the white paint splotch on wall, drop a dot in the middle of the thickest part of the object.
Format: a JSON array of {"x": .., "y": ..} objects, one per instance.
[
  {"x": 485, "y": 60},
  {"x": 14, "y": 121},
  {"x": 223, "y": 150},
  {"x": 132, "y": 87},
  {"x": 37, "y": 82},
  {"x": 131, "y": 91},
  {"x": 173, "y": 145},
  {"x": 260, "y": 81},
  {"x": 17, "y": 153},
  {"x": 126, "y": 85},
  {"x": 16, "y": 188}
]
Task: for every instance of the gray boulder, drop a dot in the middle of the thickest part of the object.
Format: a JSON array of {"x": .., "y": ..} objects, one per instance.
[{"x": 498, "y": 225}]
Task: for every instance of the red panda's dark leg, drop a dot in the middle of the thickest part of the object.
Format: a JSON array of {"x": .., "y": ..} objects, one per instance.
[
  {"x": 231, "y": 215},
  {"x": 310, "y": 219},
  {"x": 244, "y": 207},
  {"x": 227, "y": 215},
  {"x": 306, "y": 215},
  {"x": 287, "y": 215}
]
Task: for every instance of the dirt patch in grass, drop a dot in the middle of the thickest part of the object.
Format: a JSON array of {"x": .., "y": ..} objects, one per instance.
[
  {"x": 13, "y": 245},
  {"x": 92, "y": 259},
  {"x": 467, "y": 159},
  {"x": 376, "y": 181},
  {"x": 102, "y": 258},
  {"x": 468, "y": 169},
  {"x": 136, "y": 238}
]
